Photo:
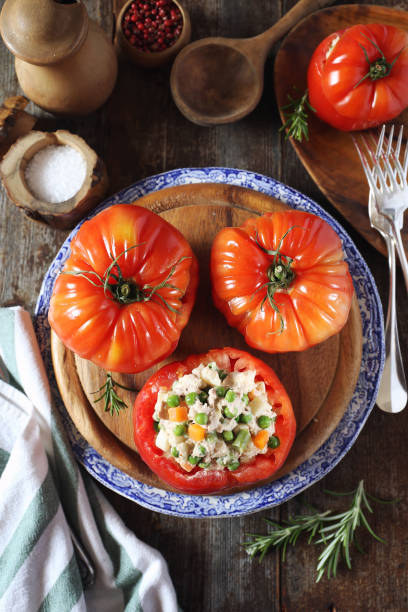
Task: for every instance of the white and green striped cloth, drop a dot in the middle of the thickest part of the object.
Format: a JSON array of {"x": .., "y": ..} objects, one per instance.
[{"x": 44, "y": 498}]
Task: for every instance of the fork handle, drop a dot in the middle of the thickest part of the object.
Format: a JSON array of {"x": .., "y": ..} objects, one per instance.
[
  {"x": 401, "y": 252},
  {"x": 392, "y": 395}
]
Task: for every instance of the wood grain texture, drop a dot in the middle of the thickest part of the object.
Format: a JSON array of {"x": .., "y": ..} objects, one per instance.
[
  {"x": 329, "y": 155},
  {"x": 140, "y": 132},
  {"x": 200, "y": 212}
]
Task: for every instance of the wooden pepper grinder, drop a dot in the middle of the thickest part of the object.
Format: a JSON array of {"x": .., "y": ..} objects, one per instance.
[{"x": 64, "y": 61}]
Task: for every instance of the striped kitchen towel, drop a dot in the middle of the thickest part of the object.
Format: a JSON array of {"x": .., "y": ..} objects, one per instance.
[{"x": 46, "y": 504}]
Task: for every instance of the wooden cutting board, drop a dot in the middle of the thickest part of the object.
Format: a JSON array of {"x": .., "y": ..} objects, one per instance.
[
  {"x": 320, "y": 381},
  {"x": 329, "y": 155}
]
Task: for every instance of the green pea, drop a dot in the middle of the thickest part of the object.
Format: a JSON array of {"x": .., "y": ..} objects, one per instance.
[
  {"x": 221, "y": 391},
  {"x": 222, "y": 374},
  {"x": 202, "y": 450},
  {"x": 191, "y": 398},
  {"x": 245, "y": 399},
  {"x": 173, "y": 401},
  {"x": 234, "y": 465},
  {"x": 229, "y": 412},
  {"x": 228, "y": 436},
  {"x": 201, "y": 418},
  {"x": 273, "y": 442},
  {"x": 245, "y": 418},
  {"x": 203, "y": 396},
  {"x": 264, "y": 421},
  {"x": 204, "y": 464},
  {"x": 156, "y": 425},
  {"x": 230, "y": 395},
  {"x": 212, "y": 437},
  {"x": 175, "y": 452},
  {"x": 179, "y": 429},
  {"x": 193, "y": 460},
  {"x": 242, "y": 439}
]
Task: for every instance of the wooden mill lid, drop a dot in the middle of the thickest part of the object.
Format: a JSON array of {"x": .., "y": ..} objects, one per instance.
[{"x": 44, "y": 31}]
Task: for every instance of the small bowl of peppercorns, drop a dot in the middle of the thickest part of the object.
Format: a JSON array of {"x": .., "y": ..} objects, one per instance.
[{"x": 151, "y": 32}]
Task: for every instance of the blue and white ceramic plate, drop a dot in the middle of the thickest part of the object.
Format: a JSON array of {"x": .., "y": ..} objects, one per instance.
[{"x": 336, "y": 446}]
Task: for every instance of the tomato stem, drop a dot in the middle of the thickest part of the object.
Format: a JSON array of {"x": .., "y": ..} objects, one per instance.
[
  {"x": 125, "y": 290},
  {"x": 380, "y": 67},
  {"x": 280, "y": 275}
]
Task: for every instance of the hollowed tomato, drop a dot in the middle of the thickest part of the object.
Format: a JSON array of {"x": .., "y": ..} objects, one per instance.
[{"x": 198, "y": 480}]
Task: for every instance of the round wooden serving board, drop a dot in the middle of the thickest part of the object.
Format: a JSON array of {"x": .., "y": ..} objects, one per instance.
[
  {"x": 320, "y": 381},
  {"x": 329, "y": 155}
]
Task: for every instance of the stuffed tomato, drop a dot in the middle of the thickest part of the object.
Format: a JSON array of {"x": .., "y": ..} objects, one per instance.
[
  {"x": 281, "y": 280},
  {"x": 126, "y": 291},
  {"x": 214, "y": 422}
]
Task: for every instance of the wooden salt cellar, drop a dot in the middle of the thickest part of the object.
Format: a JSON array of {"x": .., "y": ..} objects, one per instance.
[
  {"x": 64, "y": 215},
  {"x": 64, "y": 61}
]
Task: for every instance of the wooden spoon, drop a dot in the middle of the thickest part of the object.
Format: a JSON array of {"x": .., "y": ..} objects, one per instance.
[{"x": 220, "y": 80}]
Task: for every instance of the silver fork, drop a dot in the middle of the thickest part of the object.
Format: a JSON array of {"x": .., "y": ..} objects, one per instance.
[
  {"x": 392, "y": 395},
  {"x": 387, "y": 178}
]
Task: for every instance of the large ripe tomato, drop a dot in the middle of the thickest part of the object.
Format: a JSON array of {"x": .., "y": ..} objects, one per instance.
[
  {"x": 281, "y": 279},
  {"x": 135, "y": 319},
  {"x": 200, "y": 480},
  {"x": 358, "y": 77}
]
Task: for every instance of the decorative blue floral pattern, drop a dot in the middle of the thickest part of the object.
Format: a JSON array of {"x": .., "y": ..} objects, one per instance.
[{"x": 330, "y": 453}]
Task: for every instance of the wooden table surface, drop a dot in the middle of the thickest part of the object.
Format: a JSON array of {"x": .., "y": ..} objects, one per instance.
[{"x": 140, "y": 132}]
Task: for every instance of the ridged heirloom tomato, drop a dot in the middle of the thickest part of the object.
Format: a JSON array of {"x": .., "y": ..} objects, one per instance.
[
  {"x": 201, "y": 477},
  {"x": 281, "y": 280},
  {"x": 358, "y": 77},
  {"x": 126, "y": 291}
]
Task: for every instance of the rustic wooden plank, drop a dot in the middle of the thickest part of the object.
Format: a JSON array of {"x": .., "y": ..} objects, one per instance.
[{"x": 141, "y": 132}]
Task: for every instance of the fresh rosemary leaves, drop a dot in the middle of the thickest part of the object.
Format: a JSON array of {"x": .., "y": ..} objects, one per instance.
[
  {"x": 335, "y": 531},
  {"x": 296, "y": 117},
  {"x": 112, "y": 402}
]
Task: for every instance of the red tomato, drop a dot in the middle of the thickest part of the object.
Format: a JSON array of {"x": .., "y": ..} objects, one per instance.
[
  {"x": 212, "y": 481},
  {"x": 136, "y": 320},
  {"x": 309, "y": 282},
  {"x": 358, "y": 77}
]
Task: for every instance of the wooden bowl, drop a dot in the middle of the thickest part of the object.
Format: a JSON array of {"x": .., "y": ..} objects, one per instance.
[
  {"x": 63, "y": 215},
  {"x": 157, "y": 58}
]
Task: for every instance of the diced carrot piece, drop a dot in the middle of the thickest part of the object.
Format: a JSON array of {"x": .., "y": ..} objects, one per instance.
[
  {"x": 251, "y": 395},
  {"x": 196, "y": 432},
  {"x": 261, "y": 439},
  {"x": 178, "y": 413},
  {"x": 187, "y": 466}
]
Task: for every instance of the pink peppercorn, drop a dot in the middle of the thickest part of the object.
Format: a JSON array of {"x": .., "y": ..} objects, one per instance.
[{"x": 152, "y": 25}]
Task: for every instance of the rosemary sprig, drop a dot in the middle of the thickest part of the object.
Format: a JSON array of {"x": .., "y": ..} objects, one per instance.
[
  {"x": 112, "y": 402},
  {"x": 286, "y": 533},
  {"x": 296, "y": 115},
  {"x": 337, "y": 532}
]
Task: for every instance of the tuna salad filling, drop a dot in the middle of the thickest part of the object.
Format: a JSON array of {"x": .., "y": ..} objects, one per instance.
[{"x": 214, "y": 419}]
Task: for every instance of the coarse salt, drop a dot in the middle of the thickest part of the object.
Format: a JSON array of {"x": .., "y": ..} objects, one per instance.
[{"x": 56, "y": 173}]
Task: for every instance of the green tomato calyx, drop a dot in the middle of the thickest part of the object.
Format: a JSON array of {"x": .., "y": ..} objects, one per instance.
[
  {"x": 125, "y": 290},
  {"x": 280, "y": 275}
]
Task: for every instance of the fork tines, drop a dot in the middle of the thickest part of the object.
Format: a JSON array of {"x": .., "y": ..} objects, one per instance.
[{"x": 381, "y": 159}]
